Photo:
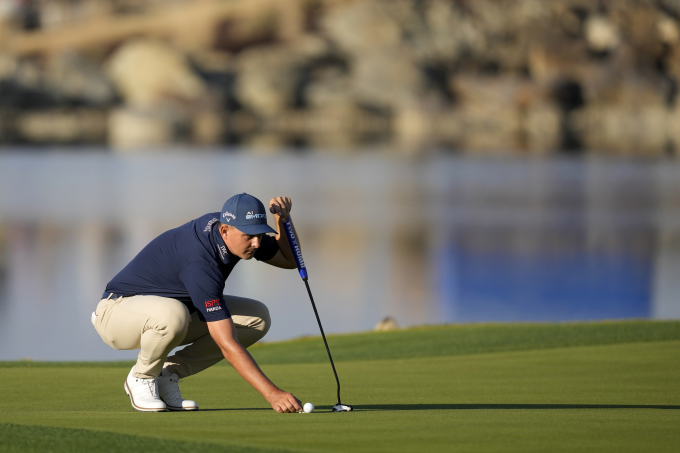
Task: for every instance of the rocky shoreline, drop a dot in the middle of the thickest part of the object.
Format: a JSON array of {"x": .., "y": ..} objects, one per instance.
[{"x": 525, "y": 77}]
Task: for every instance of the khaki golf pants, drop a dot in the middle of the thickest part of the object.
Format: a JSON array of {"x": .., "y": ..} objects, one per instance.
[{"x": 157, "y": 325}]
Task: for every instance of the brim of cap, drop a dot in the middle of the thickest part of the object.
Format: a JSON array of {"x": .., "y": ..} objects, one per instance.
[{"x": 255, "y": 229}]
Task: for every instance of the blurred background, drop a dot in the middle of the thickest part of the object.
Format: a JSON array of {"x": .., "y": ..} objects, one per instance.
[{"x": 449, "y": 161}]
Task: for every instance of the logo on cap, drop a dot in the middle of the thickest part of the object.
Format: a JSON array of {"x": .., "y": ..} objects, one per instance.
[
  {"x": 228, "y": 214},
  {"x": 251, "y": 215}
]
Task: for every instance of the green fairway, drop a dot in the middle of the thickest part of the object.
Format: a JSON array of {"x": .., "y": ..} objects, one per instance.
[{"x": 569, "y": 387}]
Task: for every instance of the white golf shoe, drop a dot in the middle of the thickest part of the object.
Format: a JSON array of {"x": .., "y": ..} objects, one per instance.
[
  {"x": 168, "y": 387},
  {"x": 144, "y": 394}
]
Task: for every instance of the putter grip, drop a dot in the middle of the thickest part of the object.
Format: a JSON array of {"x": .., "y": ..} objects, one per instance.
[{"x": 295, "y": 247}]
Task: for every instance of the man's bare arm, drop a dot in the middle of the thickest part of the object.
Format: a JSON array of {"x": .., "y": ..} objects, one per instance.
[
  {"x": 280, "y": 207},
  {"x": 224, "y": 334}
]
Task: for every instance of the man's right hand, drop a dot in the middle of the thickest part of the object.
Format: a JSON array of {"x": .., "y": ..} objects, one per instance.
[
  {"x": 224, "y": 334},
  {"x": 283, "y": 402}
]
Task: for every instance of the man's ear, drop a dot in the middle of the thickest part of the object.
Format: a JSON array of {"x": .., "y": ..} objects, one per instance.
[{"x": 224, "y": 229}]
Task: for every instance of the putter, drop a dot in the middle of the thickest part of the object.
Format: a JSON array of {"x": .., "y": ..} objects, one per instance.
[{"x": 297, "y": 253}]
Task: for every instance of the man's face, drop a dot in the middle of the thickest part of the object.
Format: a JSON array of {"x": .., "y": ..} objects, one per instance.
[{"x": 240, "y": 244}]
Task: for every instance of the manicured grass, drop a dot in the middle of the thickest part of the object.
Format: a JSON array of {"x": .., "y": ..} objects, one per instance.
[
  {"x": 465, "y": 339},
  {"x": 619, "y": 393},
  {"x": 41, "y": 439},
  {"x": 446, "y": 340}
]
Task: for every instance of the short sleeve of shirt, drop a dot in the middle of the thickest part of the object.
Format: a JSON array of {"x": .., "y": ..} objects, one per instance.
[
  {"x": 267, "y": 249},
  {"x": 205, "y": 285}
]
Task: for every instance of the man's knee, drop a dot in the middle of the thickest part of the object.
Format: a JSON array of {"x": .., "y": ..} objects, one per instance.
[
  {"x": 249, "y": 313},
  {"x": 265, "y": 319}
]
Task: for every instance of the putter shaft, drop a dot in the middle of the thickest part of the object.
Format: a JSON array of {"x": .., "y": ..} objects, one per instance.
[{"x": 323, "y": 335}]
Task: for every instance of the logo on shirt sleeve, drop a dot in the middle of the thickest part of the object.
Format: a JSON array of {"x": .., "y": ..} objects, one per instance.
[{"x": 212, "y": 305}]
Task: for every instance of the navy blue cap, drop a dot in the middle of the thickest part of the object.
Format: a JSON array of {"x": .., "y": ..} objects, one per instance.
[{"x": 246, "y": 213}]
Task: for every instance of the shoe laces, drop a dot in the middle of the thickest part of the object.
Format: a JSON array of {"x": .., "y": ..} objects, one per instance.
[{"x": 152, "y": 384}]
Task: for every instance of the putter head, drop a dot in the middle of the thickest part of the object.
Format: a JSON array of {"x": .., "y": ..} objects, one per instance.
[{"x": 342, "y": 408}]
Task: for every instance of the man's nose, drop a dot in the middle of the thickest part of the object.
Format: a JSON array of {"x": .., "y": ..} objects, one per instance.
[{"x": 256, "y": 242}]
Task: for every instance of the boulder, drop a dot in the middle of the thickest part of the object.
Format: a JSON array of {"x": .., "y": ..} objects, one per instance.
[
  {"x": 542, "y": 128},
  {"x": 207, "y": 127},
  {"x": 267, "y": 78},
  {"x": 364, "y": 26},
  {"x": 130, "y": 130},
  {"x": 388, "y": 323},
  {"x": 386, "y": 79},
  {"x": 506, "y": 113},
  {"x": 668, "y": 30},
  {"x": 329, "y": 88},
  {"x": 73, "y": 76},
  {"x": 623, "y": 129},
  {"x": 147, "y": 72},
  {"x": 601, "y": 34},
  {"x": 490, "y": 128},
  {"x": 8, "y": 66},
  {"x": 62, "y": 126}
]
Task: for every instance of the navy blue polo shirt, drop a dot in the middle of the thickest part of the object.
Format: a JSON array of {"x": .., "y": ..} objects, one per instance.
[{"x": 189, "y": 263}]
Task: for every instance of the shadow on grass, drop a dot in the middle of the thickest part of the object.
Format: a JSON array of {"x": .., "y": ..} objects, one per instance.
[
  {"x": 233, "y": 409},
  {"x": 427, "y": 407},
  {"x": 461, "y": 407}
]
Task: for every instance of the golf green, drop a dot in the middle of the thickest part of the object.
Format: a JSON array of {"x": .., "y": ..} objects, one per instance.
[{"x": 541, "y": 387}]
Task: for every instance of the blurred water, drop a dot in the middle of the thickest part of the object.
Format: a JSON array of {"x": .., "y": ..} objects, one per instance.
[{"x": 441, "y": 239}]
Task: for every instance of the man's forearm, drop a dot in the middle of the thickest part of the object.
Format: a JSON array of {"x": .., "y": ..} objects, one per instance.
[
  {"x": 245, "y": 365},
  {"x": 224, "y": 334}
]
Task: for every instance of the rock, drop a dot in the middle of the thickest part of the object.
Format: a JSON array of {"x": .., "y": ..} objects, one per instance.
[
  {"x": 267, "y": 79},
  {"x": 131, "y": 130},
  {"x": 265, "y": 143},
  {"x": 207, "y": 127},
  {"x": 385, "y": 79},
  {"x": 623, "y": 129},
  {"x": 673, "y": 128},
  {"x": 72, "y": 76},
  {"x": 674, "y": 63},
  {"x": 445, "y": 33},
  {"x": 555, "y": 60},
  {"x": 601, "y": 34},
  {"x": 668, "y": 30},
  {"x": 506, "y": 113},
  {"x": 542, "y": 124},
  {"x": 147, "y": 72},
  {"x": 490, "y": 128},
  {"x": 8, "y": 66},
  {"x": 626, "y": 90},
  {"x": 63, "y": 126},
  {"x": 363, "y": 27},
  {"x": 388, "y": 323},
  {"x": 413, "y": 128},
  {"x": 329, "y": 89},
  {"x": 506, "y": 90}
]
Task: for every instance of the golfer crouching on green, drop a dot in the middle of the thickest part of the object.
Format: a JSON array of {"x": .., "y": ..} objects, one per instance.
[{"x": 170, "y": 295}]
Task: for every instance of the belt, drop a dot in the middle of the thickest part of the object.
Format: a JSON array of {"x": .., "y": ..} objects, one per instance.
[{"x": 106, "y": 295}]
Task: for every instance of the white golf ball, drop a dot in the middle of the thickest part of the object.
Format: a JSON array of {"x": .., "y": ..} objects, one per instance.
[{"x": 308, "y": 407}]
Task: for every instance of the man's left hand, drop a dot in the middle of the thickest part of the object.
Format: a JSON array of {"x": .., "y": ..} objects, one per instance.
[{"x": 280, "y": 206}]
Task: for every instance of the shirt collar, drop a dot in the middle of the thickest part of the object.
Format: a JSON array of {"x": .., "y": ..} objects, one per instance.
[{"x": 222, "y": 251}]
